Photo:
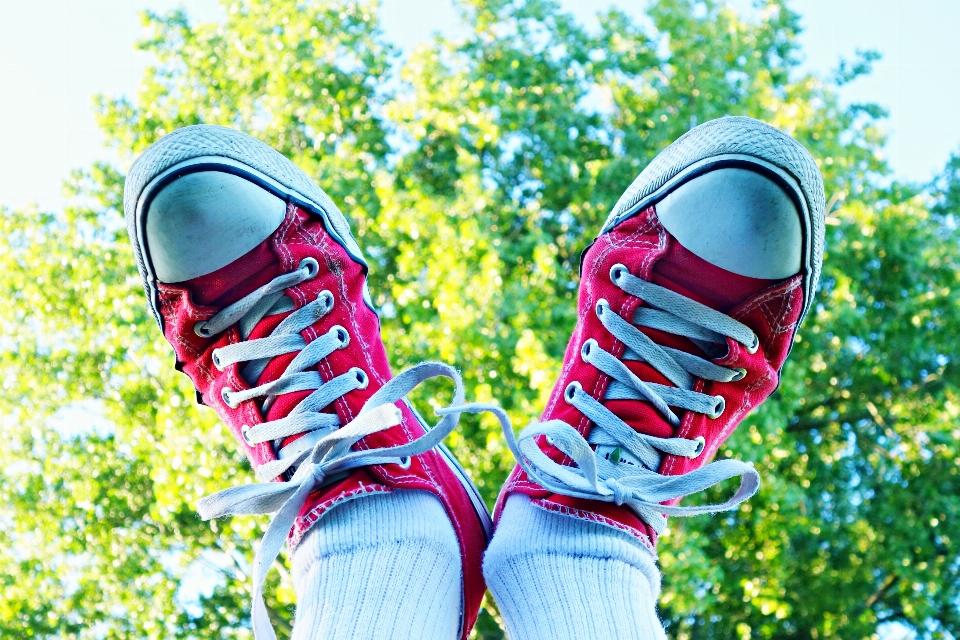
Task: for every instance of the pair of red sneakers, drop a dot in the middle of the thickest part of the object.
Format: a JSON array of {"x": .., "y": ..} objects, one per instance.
[{"x": 690, "y": 298}]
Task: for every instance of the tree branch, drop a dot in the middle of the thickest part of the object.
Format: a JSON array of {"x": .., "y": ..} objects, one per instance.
[
  {"x": 278, "y": 621},
  {"x": 888, "y": 584}
]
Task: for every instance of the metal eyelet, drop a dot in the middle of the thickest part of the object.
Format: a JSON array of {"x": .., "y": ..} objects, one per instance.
[
  {"x": 327, "y": 301},
  {"x": 587, "y": 348},
  {"x": 216, "y": 360},
  {"x": 362, "y": 379},
  {"x": 602, "y": 306},
  {"x": 740, "y": 375},
  {"x": 405, "y": 462},
  {"x": 313, "y": 267},
  {"x": 201, "y": 330},
  {"x": 701, "y": 445},
  {"x": 718, "y": 409},
  {"x": 752, "y": 348},
  {"x": 244, "y": 430},
  {"x": 618, "y": 271},
  {"x": 225, "y": 396},
  {"x": 571, "y": 391},
  {"x": 342, "y": 335}
]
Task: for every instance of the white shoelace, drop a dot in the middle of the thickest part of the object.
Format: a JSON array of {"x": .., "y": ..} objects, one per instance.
[
  {"x": 627, "y": 473},
  {"x": 323, "y": 454}
]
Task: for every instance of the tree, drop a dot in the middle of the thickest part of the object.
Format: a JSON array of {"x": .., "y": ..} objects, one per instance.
[{"x": 474, "y": 172}]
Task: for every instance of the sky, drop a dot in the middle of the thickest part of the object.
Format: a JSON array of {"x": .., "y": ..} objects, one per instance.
[{"x": 56, "y": 54}]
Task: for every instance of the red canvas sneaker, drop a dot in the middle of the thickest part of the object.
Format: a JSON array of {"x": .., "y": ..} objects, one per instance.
[
  {"x": 256, "y": 281},
  {"x": 690, "y": 298}
]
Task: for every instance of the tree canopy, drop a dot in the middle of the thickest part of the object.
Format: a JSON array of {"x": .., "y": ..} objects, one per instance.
[{"x": 474, "y": 171}]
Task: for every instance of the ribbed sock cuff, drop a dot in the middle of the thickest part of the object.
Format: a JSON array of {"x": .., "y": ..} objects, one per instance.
[
  {"x": 383, "y": 566},
  {"x": 555, "y": 577}
]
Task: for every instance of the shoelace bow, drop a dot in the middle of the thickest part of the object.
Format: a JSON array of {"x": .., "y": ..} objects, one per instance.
[
  {"x": 637, "y": 483},
  {"x": 323, "y": 454}
]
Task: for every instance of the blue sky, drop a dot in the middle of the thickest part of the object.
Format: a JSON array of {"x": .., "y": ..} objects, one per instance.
[{"x": 56, "y": 54}]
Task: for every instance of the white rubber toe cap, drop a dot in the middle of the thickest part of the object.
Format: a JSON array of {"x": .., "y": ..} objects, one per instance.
[
  {"x": 203, "y": 221},
  {"x": 738, "y": 220}
]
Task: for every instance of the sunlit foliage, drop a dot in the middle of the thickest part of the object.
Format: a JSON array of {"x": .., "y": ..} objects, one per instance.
[{"x": 474, "y": 172}]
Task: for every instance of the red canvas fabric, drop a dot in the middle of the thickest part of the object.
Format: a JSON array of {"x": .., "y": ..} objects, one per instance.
[
  {"x": 303, "y": 235},
  {"x": 772, "y": 309}
]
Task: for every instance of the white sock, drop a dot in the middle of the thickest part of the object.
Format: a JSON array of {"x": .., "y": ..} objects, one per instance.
[
  {"x": 555, "y": 577},
  {"x": 383, "y": 566}
]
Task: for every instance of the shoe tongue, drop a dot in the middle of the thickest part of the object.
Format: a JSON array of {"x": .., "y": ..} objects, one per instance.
[
  {"x": 683, "y": 272},
  {"x": 228, "y": 284}
]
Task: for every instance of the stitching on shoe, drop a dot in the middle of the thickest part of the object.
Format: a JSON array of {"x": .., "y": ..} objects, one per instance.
[
  {"x": 345, "y": 300},
  {"x": 776, "y": 317},
  {"x": 308, "y": 237},
  {"x": 307, "y": 520},
  {"x": 322, "y": 243},
  {"x": 280, "y": 241},
  {"x": 169, "y": 297},
  {"x": 778, "y": 290}
]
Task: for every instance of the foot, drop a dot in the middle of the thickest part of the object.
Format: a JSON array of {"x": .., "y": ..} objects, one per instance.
[
  {"x": 257, "y": 283},
  {"x": 690, "y": 298}
]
